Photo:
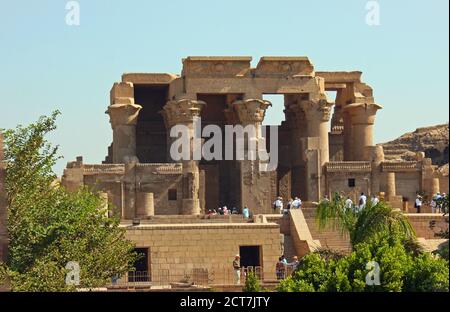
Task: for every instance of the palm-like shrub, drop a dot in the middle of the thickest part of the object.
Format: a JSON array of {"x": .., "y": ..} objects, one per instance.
[{"x": 362, "y": 224}]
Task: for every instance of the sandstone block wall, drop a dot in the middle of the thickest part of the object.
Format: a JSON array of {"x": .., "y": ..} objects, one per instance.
[{"x": 178, "y": 248}]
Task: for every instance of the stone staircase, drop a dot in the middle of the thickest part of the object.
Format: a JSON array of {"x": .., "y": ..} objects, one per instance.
[
  {"x": 328, "y": 237},
  {"x": 289, "y": 249}
]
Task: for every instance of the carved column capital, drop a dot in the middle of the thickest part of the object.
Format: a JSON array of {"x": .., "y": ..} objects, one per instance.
[
  {"x": 316, "y": 110},
  {"x": 251, "y": 111},
  {"x": 362, "y": 113},
  {"x": 181, "y": 111},
  {"x": 123, "y": 114}
]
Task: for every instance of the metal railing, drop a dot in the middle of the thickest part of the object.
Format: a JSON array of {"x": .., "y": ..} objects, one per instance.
[{"x": 196, "y": 277}]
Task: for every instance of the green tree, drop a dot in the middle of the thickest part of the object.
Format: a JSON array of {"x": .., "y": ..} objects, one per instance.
[
  {"x": 399, "y": 270},
  {"x": 49, "y": 227}
]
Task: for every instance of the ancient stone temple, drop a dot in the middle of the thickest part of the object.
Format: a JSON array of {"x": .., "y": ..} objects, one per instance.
[{"x": 324, "y": 145}]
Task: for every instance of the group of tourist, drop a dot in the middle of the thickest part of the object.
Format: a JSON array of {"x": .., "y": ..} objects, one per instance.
[
  {"x": 362, "y": 202},
  {"x": 284, "y": 268},
  {"x": 437, "y": 203},
  {"x": 278, "y": 205},
  {"x": 224, "y": 211}
]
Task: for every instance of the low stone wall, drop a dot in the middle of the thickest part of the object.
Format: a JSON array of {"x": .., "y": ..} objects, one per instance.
[
  {"x": 421, "y": 223},
  {"x": 178, "y": 248},
  {"x": 282, "y": 221}
]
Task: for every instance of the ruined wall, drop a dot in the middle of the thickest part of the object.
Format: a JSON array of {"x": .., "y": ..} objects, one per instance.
[
  {"x": 339, "y": 174},
  {"x": 124, "y": 183},
  {"x": 178, "y": 248}
]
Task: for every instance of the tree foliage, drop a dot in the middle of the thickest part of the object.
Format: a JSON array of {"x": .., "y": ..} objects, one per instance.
[
  {"x": 378, "y": 234},
  {"x": 49, "y": 227},
  {"x": 252, "y": 283},
  {"x": 363, "y": 224},
  {"x": 399, "y": 270}
]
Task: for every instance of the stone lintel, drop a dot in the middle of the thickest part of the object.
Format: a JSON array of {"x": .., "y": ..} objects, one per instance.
[
  {"x": 149, "y": 78},
  {"x": 218, "y": 59},
  {"x": 334, "y": 86},
  {"x": 284, "y": 66},
  {"x": 340, "y": 76},
  {"x": 216, "y": 66}
]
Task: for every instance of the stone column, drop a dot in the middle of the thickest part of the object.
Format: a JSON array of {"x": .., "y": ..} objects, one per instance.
[
  {"x": 254, "y": 182},
  {"x": 375, "y": 154},
  {"x": 318, "y": 115},
  {"x": 123, "y": 113},
  {"x": 145, "y": 205},
  {"x": 362, "y": 118},
  {"x": 390, "y": 185},
  {"x": 185, "y": 111},
  {"x": 123, "y": 121},
  {"x": 251, "y": 112},
  {"x": 296, "y": 121},
  {"x": 435, "y": 187}
]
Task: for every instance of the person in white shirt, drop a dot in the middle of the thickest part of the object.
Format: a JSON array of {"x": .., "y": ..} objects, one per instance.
[
  {"x": 278, "y": 205},
  {"x": 374, "y": 200},
  {"x": 362, "y": 201},
  {"x": 418, "y": 203},
  {"x": 297, "y": 203},
  {"x": 348, "y": 203}
]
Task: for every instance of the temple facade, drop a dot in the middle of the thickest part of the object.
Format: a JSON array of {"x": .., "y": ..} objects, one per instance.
[{"x": 324, "y": 145}]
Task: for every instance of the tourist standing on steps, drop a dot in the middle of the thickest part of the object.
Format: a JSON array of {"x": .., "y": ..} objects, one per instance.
[
  {"x": 278, "y": 205},
  {"x": 348, "y": 203},
  {"x": 418, "y": 203},
  {"x": 237, "y": 269},
  {"x": 297, "y": 203},
  {"x": 374, "y": 200},
  {"x": 362, "y": 201}
]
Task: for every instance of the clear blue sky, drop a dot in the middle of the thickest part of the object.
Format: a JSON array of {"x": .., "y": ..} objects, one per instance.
[{"x": 47, "y": 65}]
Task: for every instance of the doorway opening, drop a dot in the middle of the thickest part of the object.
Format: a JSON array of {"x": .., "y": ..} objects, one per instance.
[
  {"x": 141, "y": 266},
  {"x": 250, "y": 256}
]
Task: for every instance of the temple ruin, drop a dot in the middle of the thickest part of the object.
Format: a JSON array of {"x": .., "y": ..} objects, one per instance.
[{"x": 324, "y": 146}]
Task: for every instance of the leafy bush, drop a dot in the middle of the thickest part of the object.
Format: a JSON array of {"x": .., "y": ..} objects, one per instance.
[
  {"x": 252, "y": 283},
  {"x": 399, "y": 270}
]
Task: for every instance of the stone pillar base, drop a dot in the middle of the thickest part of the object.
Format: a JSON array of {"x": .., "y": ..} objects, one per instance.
[{"x": 190, "y": 207}]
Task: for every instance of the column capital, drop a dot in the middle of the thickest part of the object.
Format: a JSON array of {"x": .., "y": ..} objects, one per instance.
[
  {"x": 123, "y": 114},
  {"x": 319, "y": 110},
  {"x": 251, "y": 111},
  {"x": 362, "y": 113},
  {"x": 181, "y": 111}
]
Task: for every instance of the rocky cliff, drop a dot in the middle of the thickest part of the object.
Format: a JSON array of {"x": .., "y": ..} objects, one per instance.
[{"x": 431, "y": 140}]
